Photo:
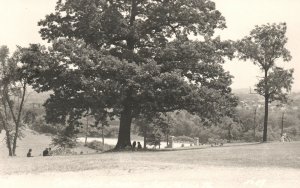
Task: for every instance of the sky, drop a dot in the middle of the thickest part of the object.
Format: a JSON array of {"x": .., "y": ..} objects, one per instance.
[{"x": 18, "y": 19}]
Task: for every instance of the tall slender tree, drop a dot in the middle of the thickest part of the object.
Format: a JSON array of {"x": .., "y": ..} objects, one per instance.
[
  {"x": 264, "y": 46},
  {"x": 13, "y": 85}
]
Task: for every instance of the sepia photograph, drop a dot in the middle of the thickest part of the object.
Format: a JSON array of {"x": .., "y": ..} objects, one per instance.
[{"x": 150, "y": 93}]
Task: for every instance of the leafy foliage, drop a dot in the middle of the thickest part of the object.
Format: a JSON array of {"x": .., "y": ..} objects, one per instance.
[
  {"x": 40, "y": 126},
  {"x": 279, "y": 84},
  {"x": 29, "y": 117},
  {"x": 109, "y": 132},
  {"x": 97, "y": 145},
  {"x": 184, "y": 139},
  {"x": 154, "y": 136},
  {"x": 264, "y": 45},
  {"x": 66, "y": 138},
  {"x": 126, "y": 58}
]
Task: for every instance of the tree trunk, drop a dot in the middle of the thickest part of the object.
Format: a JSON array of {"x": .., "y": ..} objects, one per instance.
[
  {"x": 102, "y": 134},
  {"x": 282, "y": 121},
  {"x": 125, "y": 126},
  {"x": 3, "y": 119},
  {"x": 254, "y": 124},
  {"x": 229, "y": 133},
  {"x": 8, "y": 141},
  {"x": 8, "y": 144},
  {"x": 85, "y": 140},
  {"x": 159, "y": 144},
  {"x": 145, "y": 135},
  {"x": 167, "y": 139},
  {"x": 86, "y": 130},
  {"x": 265, "y": 132},
  {"x": 19, "y": 119},
  {"x": 126, "y": 115}
]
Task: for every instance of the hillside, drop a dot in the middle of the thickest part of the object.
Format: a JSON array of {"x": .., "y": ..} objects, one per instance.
[
  {"x": 249, "y": 99},
  {"x": 37, "y": 142}
]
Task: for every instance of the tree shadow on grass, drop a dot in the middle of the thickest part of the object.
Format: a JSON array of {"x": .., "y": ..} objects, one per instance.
[{"x": 201, "y": 147}]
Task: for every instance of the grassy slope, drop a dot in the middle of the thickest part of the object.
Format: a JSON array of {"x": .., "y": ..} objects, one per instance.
[
  {"x": 37, "y": 142},
  {"x": 275, "y": 155}
]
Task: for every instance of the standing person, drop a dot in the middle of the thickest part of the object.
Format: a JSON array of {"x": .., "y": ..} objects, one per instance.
[
  {"x": 46, "y": 152},
  {"x": 29, "y": 153},
  {"x": 139, "y": 146},
  {"x": 49, "y": 151},
  {"x": 133, "y": 145}
]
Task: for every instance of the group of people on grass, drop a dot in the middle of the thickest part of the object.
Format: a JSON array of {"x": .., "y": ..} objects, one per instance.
[
  {"x": 134, "y": 147},
  {"x": 46, "y": 152}
]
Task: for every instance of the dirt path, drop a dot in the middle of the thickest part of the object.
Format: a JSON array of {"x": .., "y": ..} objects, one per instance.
[{"x": 200, "y": 177}]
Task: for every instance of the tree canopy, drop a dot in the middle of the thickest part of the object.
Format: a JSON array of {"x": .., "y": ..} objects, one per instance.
[{"x": 131, "y": 57}]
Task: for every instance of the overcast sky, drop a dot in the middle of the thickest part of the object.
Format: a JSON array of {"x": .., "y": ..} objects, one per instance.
[{"x": 18, "y": 19}]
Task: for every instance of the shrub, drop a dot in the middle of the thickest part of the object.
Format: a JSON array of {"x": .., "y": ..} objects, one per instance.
[
  {"x": 109, "y": 132},
  {"x": 154, "y": 139},
  {"x": 61, "y": 151},
  {"x": 97, "y": 145},
  {"x": 183, "y": 139},
  {"x": 41, "y": 126},
  {"x": 248, "y": 136},
  {"x": 216, "y": 141},
  {"x": 65, "y": 139}
]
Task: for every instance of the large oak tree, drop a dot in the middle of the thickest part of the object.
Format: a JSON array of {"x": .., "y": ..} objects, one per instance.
[{"x": 131, "y": 57}]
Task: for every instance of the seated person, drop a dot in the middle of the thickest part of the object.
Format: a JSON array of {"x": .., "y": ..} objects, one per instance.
[
  {"x": 133, "y": 145},
  {"x": 29, "y": 153},
  {"x": 46, "y": 152}
]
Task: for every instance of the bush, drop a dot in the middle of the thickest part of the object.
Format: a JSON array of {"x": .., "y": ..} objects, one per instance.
[
  {"x": 97, "y": 145},
  {"x": 154, "y": 139},
  {"x": 184, "y": 139},
  {"x": 65, "y": 139},
  {"x": 41, "y": 126},
  {"x": 29, "y": 117},
  {"x": 61, "y": 151},
  {"x": 248, "y": 136},
  {"x": 109, "y": 132},
  {"x": 216, "y": 141}
]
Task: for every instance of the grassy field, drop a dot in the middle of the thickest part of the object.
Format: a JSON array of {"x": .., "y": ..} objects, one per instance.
[
  {"x": 278, "y": 155},
  {"x": 233, "y": 165}
]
